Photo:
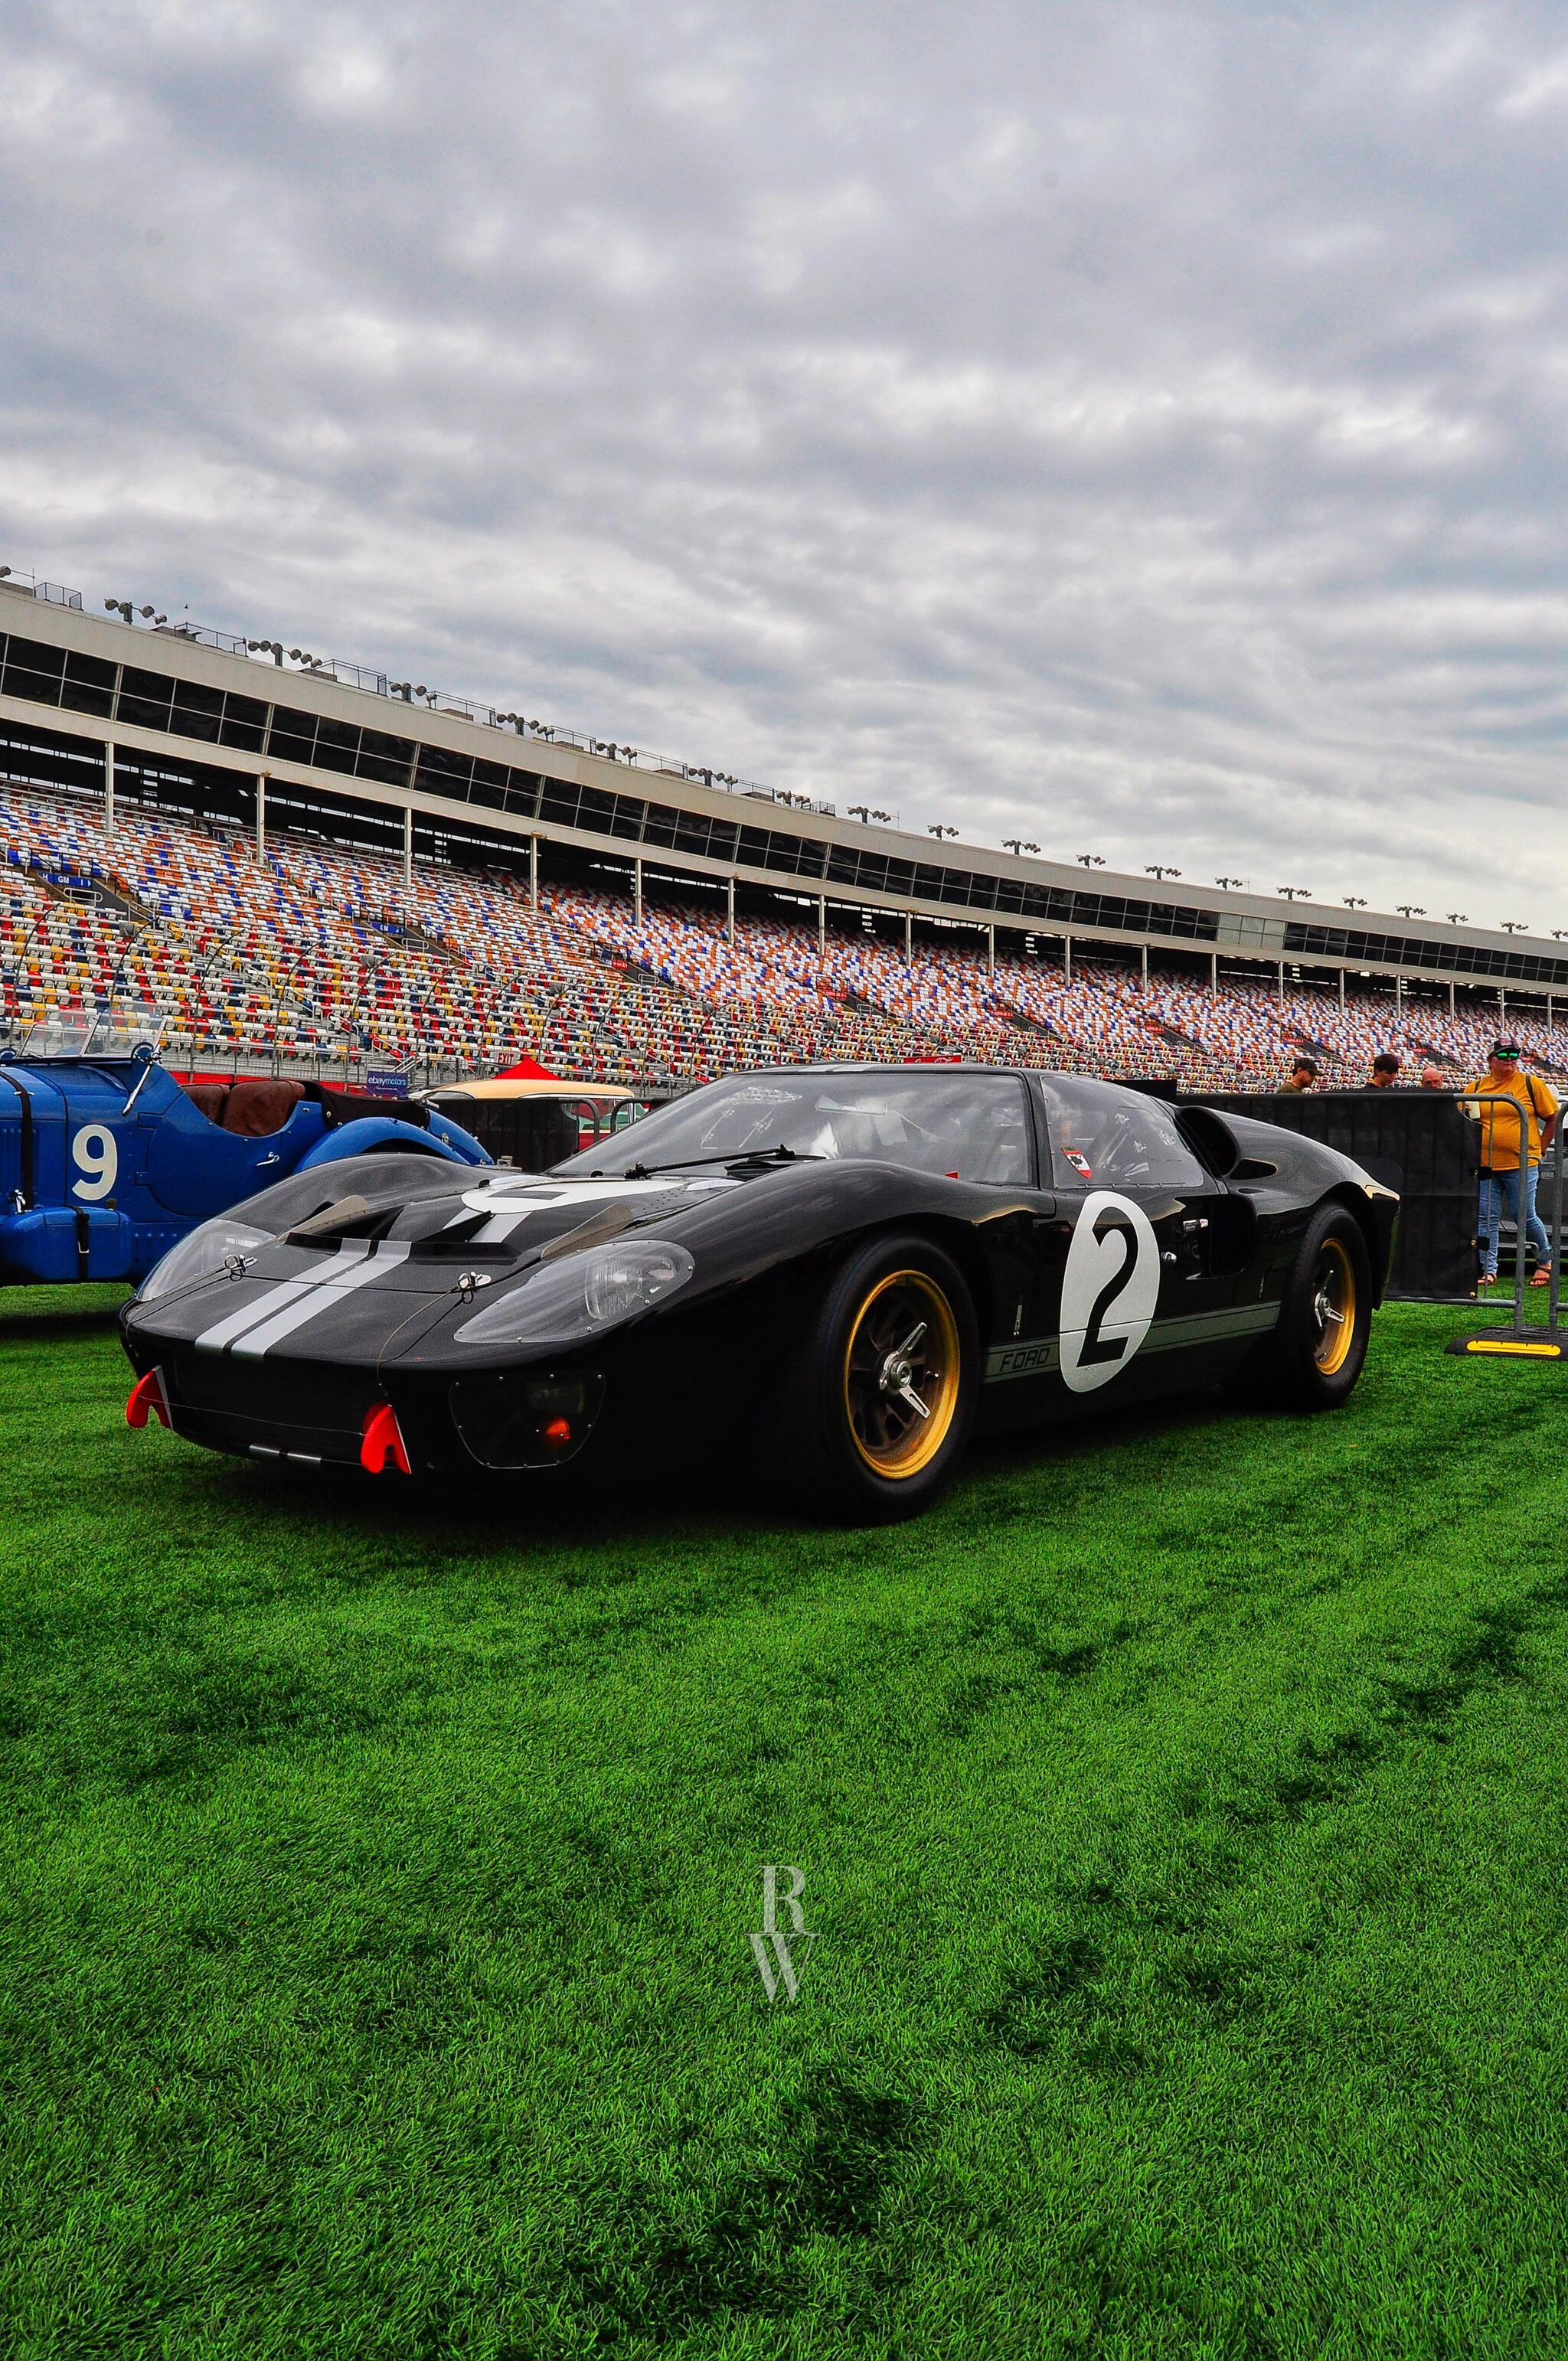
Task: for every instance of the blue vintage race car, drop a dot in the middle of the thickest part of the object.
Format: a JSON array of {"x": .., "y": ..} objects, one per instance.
[{"x": 105, "y": 1162}]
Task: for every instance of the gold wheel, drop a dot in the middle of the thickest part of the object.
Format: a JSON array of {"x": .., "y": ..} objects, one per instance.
[
  {"x": 901, "y": 1374},
  {"x": 1333, "y": 1306}
]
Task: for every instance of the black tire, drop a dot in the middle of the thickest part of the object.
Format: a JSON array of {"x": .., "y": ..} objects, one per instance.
[
  {"x": 1314, "y": 1356},
  {"x": 848, "y": 1448}
]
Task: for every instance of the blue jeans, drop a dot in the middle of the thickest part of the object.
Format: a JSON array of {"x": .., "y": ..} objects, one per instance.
[{"x": 1500, "y": 1190}]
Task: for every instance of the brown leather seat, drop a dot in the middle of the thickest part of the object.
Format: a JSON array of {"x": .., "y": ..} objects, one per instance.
[
  {"x": 259, "y": 1105},
  {"x": 210, "y": 1097}
]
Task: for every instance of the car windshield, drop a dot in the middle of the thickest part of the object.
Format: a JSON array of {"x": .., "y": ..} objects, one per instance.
[
  {"x": 970, "y": 1127},
  {"x": 113, "y": 1030}
]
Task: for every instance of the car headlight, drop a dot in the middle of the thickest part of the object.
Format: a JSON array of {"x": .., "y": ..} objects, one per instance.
[
  {"x": 582, "y": 1295},
  {"x": 203, "y": 1255}
]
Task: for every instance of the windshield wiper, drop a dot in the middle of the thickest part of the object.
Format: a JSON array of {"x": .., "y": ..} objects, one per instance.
[{"x": 736, "y": 1155}]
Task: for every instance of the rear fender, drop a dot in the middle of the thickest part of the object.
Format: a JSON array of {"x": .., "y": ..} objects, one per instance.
[
  {"x": 463, "y": 1144},
  {"x": 370, "y": 1134}
]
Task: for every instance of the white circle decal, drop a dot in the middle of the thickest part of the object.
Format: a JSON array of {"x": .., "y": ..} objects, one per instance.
[{"x": 1109, "y": 1289}]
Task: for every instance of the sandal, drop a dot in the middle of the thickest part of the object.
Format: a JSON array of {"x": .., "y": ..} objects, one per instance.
[{"x": 1541, "y": 1278}]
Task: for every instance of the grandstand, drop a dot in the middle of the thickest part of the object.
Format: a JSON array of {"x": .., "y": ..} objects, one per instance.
[
  {"x": 310, "y": 957},
  {"x": 280, "y": 900}
]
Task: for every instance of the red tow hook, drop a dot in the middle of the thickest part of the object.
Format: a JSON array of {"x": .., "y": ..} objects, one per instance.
[
  {"x": 147, "y": 1394},
  {"x": 383, "y": 1440}
]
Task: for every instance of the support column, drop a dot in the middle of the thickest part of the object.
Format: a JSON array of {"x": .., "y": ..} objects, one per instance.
[
  {"x": 407, "y": 844},
  {"x": 261, "y": 778},
  {"x": 1550, "y": 1020},
  {"x": 109, "y": 789},
  {"x": 1143, "y": 964},
  {"x": 908, "y": 938},
  {"x": 1450, "y": 1009},
  {"x": 1214, "y": 972},
  {"x": 1502, "y": 1007},
  {"x": 1282, "y": 981},
  {"x": 637, "y": 889},
  {"x": 821, "y": 926},
  {"x": 990, "y": 952},
  {"x": 533, "y": 872},
  {"x": 1341, "y": 992},
  {"x": 729, "y": 914},
  {"x": 1067, "y": 959}
]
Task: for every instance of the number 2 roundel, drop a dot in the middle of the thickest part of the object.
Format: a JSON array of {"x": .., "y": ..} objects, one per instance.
[{"x": 1109, "y": 1289}]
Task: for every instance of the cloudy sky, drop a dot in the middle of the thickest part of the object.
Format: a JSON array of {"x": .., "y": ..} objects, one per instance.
[{"x": 1140, "y": 429}]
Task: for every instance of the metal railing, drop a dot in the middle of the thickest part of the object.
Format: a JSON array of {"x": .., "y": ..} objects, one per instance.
[
  {"x": 347, "y": 1067},
  {"x": 53, "y": 594},
  {"x": 1553, "y": 1163},
  {"x": 374, "y": 681}
]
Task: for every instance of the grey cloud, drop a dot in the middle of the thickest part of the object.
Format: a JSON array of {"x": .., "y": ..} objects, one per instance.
[{"x": 1139, "y": 429}]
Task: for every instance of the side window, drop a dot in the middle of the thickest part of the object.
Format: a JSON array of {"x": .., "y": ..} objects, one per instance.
[
  {"x": 987, "y": 1127},
  {"x": 1104, "y": 1136}
]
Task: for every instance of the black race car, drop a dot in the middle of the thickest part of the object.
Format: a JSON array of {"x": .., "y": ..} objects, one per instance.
[{"x": 839, "y": 1270}]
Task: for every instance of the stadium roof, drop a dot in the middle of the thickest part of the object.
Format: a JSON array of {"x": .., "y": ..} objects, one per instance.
[{"x": 179, "y": 700}]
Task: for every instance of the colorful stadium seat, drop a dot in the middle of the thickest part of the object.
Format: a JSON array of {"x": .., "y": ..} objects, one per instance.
[{"x": 323, "y": 952}]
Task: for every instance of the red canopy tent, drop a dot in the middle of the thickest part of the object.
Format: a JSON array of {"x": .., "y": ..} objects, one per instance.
[{"x": 527, "y": 1070}]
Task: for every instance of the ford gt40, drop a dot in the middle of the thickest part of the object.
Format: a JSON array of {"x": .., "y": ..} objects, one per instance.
[{"x": 838, "y": 1270}]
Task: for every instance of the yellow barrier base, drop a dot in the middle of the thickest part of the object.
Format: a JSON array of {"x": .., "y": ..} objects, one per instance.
[{"x": 1540, "y": 1345}]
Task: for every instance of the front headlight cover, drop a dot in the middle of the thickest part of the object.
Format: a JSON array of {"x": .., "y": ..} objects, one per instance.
[
  {"x": 203, "y": 1255},
  {"x": 582, "y": 1295}
]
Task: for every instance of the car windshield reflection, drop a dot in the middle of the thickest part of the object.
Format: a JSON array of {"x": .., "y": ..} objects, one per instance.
[{"x": 969, "y": 1127}]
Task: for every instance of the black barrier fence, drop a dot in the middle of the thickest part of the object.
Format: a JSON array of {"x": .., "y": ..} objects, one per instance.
[
  {"x": 533, "y": 1133},
  {"x": 536, "y": 1132},
  {"x": 1416, "y": 1141}
]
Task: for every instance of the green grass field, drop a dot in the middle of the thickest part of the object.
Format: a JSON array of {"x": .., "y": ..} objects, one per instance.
[{"x": 1182, "y": 1811}]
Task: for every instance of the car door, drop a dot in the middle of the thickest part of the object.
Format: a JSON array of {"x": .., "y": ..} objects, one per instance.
[
  {"x": 1145, "y": 1292},
  {"x": 976, "y": 1126}
]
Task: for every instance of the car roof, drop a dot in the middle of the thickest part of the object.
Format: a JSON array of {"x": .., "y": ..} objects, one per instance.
[{"x": 893, "y": 1066}]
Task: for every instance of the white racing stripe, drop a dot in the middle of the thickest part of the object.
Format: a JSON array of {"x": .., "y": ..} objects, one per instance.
[
  {"x": 502, "y": 1196},
  {"x": 508, "y": 1213},
  {"x": 291, "y": 1290},
  {"x": 293, "y": 1302},
  {"x": 500, "y": 1227},
  {"x": 283, "y": 1323}
]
